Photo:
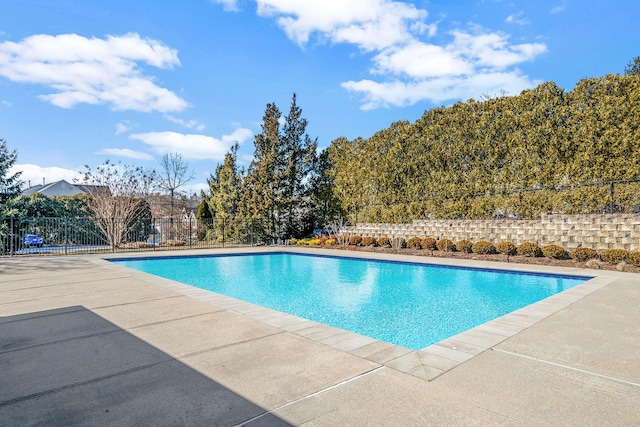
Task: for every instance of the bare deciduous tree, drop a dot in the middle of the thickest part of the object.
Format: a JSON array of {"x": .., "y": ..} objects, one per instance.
[
  {"x": 174, "y": 174},
  {"x": 116, "y": 193},
  {"x": 337, "y": 228}
]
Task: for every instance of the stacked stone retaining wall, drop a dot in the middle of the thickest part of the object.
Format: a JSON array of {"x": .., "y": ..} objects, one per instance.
[{"x": 604, "y": 231}]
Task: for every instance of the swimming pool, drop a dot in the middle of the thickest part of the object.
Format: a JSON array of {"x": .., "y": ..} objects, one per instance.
[{"x": 407, "y": 304}]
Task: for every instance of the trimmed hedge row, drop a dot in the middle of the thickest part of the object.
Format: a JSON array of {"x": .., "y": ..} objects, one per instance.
[{"x": 528, "y": 249}]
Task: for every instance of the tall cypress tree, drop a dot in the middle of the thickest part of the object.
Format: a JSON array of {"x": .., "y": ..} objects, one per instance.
[
  {"x": 262, "y": 186},
  {"x": 225, "y": 187},
  {"x": 325, "y": 206},
  {"x": 298, "y": 161}
]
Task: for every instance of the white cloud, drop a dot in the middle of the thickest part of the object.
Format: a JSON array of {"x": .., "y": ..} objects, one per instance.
[
  {"x": 493, "y": 49},
  {"x": 409, "y": 68},
  {"x": 93, "y": 70},
  {"x": 193, "y": 146},
  {"x": 189, "y": 124},
  {"x": 559, "y": 9},
  {"x": 419, "y": 60},
  {"x": 423, "y": 28},
  {"x": 228, "y": 5},
  {"x": 463, "y": 69},
  {"x": 398, "y": 93},
  {"x": 125, "y": 152},
  {"x": 6, "y": 103},
  {"x": 34, "y": 174},
  {"x": 370, "y": 24},
  {"x": 517, "y": 18},
  {"x": 122, "y": 127}
]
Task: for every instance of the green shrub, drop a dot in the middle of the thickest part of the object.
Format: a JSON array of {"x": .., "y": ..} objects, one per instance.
[
  {"x": 553, "y": 251},
  {"x": 369, "y": 241},
  {"x": 414, "y": 243},
  {"x": 483, "y": 247},
  {"x": 464, "y": 246},
  {"x": 212, "y": 235},
  {"x": 634, "y": 257},
  {"x": 293, "y": 241},
  {"x": 355, "y": 240},
  {"x": 428, "y": 243},
  {"x": 506, "y": 248},
  {"x": 384, "y": 242},
  {"x": 614, "y": 256},
  {"x": 445, "y": 245},
  {"x": 315, "y": 242},
  {"x": 399, "y": 243},
  {"x": 583, "y": 254},
  {"x": 530, "y": 249},
  {"x": 331, "y": 242}
]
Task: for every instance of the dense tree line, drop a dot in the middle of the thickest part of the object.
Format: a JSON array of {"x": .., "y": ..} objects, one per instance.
[
  {"x": 545, "y": 150},
  {"x": 285, "y": 192}
]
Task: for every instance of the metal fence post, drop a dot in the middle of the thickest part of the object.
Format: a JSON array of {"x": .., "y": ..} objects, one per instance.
[
  {"x": 11, "y": 236},
  {"x": 611, "y": 195},
  {"x": 113, "y": 235},
  {"x": 66, "y": 234}
]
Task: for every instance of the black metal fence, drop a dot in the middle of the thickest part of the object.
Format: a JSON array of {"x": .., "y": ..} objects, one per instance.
[{"x": 67, "y": 235}]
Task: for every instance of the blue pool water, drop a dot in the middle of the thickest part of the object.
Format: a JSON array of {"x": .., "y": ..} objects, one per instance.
[{"x": 410, "y": 305}]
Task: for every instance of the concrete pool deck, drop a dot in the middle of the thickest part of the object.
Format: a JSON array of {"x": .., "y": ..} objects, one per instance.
[{"x": 84, "y": 342}]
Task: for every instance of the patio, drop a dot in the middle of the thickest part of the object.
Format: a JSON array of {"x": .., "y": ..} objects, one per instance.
[{"x": 83, "y": 341}]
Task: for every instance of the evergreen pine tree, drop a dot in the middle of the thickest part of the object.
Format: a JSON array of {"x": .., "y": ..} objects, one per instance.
[
  {"x": 203, "y": 211},
  {"x": 262, "y": 189},
  {"x": 325, "y": 206},
  {"x": 9, "y": 185},
  {"x": 633, "y": 67},
  {"x": 225, "y": 187},
  {"x": 299, "y": 153}
]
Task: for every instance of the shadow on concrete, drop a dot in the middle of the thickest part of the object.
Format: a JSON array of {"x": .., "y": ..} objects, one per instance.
[{"x": 70, "y": 366}]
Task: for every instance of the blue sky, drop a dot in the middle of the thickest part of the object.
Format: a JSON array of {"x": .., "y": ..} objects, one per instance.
[{"x": 83, "y": 81}]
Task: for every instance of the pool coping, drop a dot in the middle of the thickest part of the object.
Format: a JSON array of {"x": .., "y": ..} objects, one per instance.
[{"x": 427, "y": 363}]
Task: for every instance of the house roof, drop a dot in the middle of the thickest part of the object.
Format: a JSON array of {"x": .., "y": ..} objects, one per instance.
[
  {"x": 57, "y": 188},
  {"x": 32, "y": 190}
]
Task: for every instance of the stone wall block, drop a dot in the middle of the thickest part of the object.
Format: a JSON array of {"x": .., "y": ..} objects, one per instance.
[{"x": 599, "y": 231}]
